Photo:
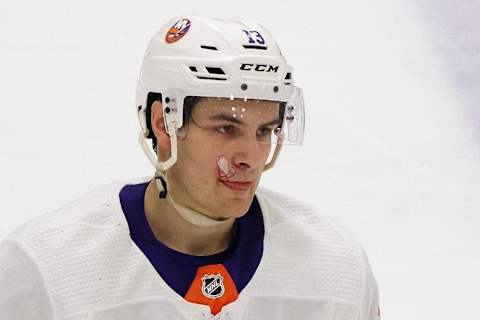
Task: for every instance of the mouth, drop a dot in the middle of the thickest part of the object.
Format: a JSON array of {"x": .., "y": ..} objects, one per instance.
[{"x": 237, "y": 185}]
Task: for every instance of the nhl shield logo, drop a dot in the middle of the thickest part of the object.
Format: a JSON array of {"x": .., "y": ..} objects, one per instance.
[{"x": 212, "y": 286}]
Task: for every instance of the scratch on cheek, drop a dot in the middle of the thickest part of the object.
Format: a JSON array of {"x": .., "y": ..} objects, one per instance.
[{"x": 225, "y": 170}]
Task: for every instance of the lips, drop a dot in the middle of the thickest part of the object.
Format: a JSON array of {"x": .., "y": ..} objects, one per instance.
[{"x": 237, "y": 185}]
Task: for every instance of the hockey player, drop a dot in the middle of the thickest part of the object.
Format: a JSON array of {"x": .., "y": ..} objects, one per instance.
[{"x": 199, "y": 240}]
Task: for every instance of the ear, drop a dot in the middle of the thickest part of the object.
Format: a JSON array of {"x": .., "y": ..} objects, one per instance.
[{"x": 158, "y": 127}]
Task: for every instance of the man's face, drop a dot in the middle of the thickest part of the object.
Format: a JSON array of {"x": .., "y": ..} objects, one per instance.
[{"x": 222, "y": 157}]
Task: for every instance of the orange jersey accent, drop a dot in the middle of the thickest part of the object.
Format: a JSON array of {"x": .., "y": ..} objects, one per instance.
[{"x": 212, "y": 286}]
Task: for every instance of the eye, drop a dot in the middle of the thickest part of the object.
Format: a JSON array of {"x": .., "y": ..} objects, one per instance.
[
  {"x": 226, "y": 129},
  {"x": 264, "y": 131}
]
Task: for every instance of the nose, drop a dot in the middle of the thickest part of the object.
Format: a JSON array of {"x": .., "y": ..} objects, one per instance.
[{"x": 250, "y": 155}]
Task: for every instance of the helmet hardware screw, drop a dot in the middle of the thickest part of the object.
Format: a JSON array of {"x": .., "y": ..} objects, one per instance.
[
  {"x": 275, "y": 89},
  {"x": 167, "y": 99},
  {"x": 244, "y": 86},
  {"x": 167, "y": 109}
]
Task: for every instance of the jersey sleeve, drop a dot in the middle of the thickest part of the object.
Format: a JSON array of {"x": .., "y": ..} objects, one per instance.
[
  {"x": 23, "y": 295},
  {"x": 370, "y": 302}
]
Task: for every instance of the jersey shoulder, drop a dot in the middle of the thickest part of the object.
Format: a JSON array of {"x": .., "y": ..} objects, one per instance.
[
  {"x": 83, "y": 250},
  {"x": 283, "y": 210},
  {"x": 312, "y": 254},
  {"x": 98, "y": 208}
]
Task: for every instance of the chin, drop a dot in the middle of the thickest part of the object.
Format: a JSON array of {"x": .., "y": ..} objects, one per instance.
[
  {"x": 234, "y": 203},
  {"x": 237, "y": 208}
]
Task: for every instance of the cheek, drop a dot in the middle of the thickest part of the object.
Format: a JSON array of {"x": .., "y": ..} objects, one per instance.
[{"x": 198, "y": 162}]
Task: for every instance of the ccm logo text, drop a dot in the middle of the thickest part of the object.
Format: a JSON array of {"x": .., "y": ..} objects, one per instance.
[{"x": 258, "y": 67}]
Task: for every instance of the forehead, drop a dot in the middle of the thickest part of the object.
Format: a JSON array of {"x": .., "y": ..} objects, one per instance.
[{"x": 245, "y": 110}]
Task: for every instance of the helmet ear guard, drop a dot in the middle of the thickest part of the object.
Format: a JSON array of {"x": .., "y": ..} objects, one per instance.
[
  {"x": 293, "y": 124},
  {"x": 160, "y": 167},
  {"x": 172, "y": 104},
  {"x": 171, "y": 126}
]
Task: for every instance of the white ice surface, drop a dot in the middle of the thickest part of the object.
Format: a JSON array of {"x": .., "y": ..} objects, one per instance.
[{"x": 392, "y": 145}]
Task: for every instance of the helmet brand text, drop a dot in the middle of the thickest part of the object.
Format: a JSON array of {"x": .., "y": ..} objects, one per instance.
[{"x": 259, "y": 67}]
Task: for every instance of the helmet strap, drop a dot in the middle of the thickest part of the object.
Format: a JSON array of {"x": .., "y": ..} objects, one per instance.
[
  {"x": 192, "y": 216},
  {"x": 163, "y": 193},
  {"x": 276, "y": 152}
]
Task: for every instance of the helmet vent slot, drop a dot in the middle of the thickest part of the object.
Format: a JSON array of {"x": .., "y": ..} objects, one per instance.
[
  {"x": 248, "y": 46},
  {"x": 208, "y": 47},
  {"x": 210, "y": 78},
  {"x": 208, "y": 73},
  {"x": 288, "y": 79},
  {"x": 215, "y": 70}
]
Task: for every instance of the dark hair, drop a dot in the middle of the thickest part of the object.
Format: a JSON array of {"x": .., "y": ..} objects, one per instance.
[{"x": 188, "y": 105}]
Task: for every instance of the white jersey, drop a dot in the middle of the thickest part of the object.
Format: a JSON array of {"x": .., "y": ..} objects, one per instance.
[{"x": 79, "y": 263}]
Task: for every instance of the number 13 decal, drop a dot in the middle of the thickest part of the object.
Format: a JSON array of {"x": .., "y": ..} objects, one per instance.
[{"x": 254, "y": 37}]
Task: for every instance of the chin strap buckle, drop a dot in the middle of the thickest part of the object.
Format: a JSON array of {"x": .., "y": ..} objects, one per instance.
[{"x": 163, "y": 193}]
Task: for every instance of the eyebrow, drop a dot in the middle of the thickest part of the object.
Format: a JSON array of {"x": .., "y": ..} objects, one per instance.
[{"x": 226, "y": 117}]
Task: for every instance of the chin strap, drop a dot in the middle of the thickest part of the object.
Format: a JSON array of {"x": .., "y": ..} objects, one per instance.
[
  {"x": 190, "y": 215},
  {"x": 162, "y": 194},
  {"x": 276, "y": 152}
]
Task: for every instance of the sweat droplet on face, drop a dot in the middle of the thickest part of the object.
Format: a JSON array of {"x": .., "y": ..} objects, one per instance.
[{"x": 224, "y": 168}]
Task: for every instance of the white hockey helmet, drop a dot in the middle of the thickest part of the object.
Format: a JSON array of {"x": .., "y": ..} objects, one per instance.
[{"x": 194, "y": 56}]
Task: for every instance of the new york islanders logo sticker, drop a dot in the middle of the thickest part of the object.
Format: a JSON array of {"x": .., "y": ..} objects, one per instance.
[{"x": 178, "y": 30}]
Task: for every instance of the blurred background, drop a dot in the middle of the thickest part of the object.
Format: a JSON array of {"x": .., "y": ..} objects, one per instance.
[{"x": 392, "y": 145}]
